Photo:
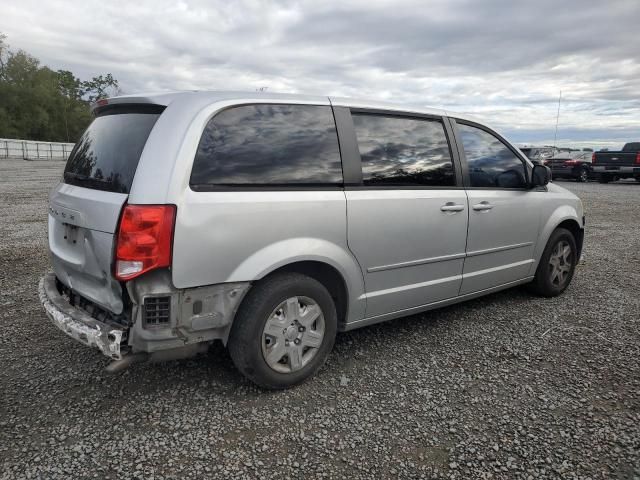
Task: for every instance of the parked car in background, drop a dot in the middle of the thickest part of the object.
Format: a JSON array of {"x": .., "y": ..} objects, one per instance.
[
  {"x": 609, "y": 165},
  {"x": 538, "y": 154},
  {"x": 271, "y": 222},
  {"x": 574, "y": 164}
]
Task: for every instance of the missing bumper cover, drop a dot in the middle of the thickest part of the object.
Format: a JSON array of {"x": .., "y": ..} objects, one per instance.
[
  {"x": 185, "y": 331},
  {"x": 76, "y": 323}
]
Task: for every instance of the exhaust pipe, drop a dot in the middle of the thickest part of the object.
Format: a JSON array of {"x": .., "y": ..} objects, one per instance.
[
  {"x": 160, "y": 356},
  {"x": 124, "y": 363}
]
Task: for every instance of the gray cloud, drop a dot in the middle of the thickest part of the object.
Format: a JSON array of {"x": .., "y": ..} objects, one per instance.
[{"x": 502, "y": 60}]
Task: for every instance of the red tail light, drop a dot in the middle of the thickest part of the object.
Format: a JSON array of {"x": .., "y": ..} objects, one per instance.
[
  {"x": 638, "y": 158},
  {"x": 144, "y": 238},
  {"x": 593, "y": 157},
  {"x": 571, "y": 162}
]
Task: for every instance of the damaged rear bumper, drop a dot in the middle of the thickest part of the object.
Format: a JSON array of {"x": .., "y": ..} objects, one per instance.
[{"x": 76, "y": 323}]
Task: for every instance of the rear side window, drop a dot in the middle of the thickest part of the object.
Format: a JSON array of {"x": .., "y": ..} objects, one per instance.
[
  {"x": 403, "y": 151},
  {"x": 107, "y": 154},
  {"x": 269, "y": 145},
  {"x": 631, "y": 147},
  {"x": 491, "y": 163}
]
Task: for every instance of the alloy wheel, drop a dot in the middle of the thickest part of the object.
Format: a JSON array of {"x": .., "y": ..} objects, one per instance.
[
  {"x": 584, "y": 175},
  {"x": 560, "y": 264}
]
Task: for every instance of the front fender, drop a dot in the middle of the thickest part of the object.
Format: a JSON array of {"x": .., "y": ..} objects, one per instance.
[
  {"x": 559, "y": 215},
  {"x": 285, "y": 252}
]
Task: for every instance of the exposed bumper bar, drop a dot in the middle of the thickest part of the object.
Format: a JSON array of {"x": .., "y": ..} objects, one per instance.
[{"x": 76, "y": 323}]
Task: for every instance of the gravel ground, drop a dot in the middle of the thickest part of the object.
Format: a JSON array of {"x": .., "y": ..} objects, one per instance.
[{"x": 508, "y": 386}]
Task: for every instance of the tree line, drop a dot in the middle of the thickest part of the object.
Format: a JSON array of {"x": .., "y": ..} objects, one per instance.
[{"x": 37, "y": 103}]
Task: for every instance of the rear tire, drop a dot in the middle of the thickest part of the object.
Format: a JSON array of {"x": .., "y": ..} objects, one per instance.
[
  {"x": 557, "y": 264},
  {"x": 283, "y": 331}
]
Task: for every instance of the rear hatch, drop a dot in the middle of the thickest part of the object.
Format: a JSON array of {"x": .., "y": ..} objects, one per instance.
[{"x": 85, "y": 207}]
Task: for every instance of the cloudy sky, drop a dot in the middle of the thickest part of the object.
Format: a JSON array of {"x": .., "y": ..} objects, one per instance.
[{"x": 502, "y": 60}]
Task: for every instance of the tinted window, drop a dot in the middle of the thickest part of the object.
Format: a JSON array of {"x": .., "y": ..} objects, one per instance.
[
  {"x": 403, "y": 151},
  {"x": 491, "y": 162},
  {"x": 107, "y": 154},
  {"x": 269, "y": 144},
  {"x": 631, "y": 147}
]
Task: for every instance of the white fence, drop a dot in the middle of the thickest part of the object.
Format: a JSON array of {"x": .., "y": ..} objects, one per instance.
[{"x": 30, "y": 150}]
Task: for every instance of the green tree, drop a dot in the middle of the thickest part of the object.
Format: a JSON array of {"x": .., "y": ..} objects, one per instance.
[
  {"x": 100, "y": 87},
  {"x": 37, "y": 103}
]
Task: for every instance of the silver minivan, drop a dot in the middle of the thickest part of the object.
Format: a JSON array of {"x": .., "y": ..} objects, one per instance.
[{"x": 271, "y": 222}]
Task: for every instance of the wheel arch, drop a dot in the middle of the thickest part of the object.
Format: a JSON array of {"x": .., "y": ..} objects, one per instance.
[
  {"x": 330, "y": 264},
  {"x": 574, "y": 227},
  {"x": 328, "y": 276},
  {"x": 564, "y": 217}
]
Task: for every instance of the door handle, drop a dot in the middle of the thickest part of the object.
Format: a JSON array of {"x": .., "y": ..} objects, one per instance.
[
  {"x": 452, "y": 207},
  {"x": 482, "y": 206}
]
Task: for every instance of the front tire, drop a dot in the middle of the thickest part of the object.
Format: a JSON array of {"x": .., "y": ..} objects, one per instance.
[
  {"x": 557, "y": 264},
  {"x": 283, "y": 331},
  {"x": 583, "y": 175}
]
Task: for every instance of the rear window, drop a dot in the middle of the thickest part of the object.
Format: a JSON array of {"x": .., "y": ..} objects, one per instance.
[
  {"x": 107, "y": 154},
  {"x": 268, "y": 145}
]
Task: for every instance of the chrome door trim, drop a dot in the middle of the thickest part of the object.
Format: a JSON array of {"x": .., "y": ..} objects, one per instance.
[
  {"x": 413, "y": 286},
  {"x": 498, "y": 268},
  {"x": 444, "y": 258},
  {"x": 412, "y": 263},
  {"x": 499, "y": 249}
]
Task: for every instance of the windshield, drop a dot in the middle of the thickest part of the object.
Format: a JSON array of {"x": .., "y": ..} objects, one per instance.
[{"x": 107, "y": 154}]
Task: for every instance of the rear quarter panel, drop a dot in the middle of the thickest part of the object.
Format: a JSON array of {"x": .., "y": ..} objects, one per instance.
[
  {"x": 239, "y": 235},
  {"x": 243, "y": 236}
]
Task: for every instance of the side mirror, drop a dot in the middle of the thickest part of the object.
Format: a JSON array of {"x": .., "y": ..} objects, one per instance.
[{"x": 540, "y": 176}]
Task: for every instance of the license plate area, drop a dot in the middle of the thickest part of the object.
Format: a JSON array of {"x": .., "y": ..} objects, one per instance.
[
  {"x": 611, "y": 168},
  {"x": 66, "y": 242},
  {"x": 70, "y": 233}
]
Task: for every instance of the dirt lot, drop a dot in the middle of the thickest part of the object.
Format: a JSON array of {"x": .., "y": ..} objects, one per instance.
[{"x": 509, "y": 386}]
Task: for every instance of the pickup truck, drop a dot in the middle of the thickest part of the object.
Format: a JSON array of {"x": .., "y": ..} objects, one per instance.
[{"x": 610, "y": 166}]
